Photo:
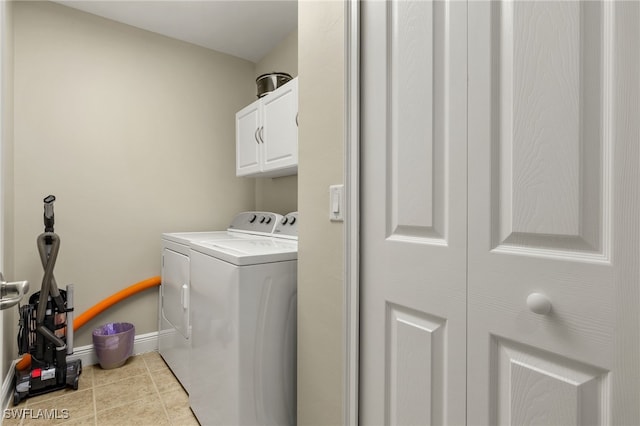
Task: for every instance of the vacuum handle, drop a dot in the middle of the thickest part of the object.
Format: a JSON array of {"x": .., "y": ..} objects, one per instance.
[{"x": 48, "y": 213}]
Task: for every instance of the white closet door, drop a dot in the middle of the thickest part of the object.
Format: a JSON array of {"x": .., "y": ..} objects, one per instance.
[
  {"x": 413, "y": 287},
  {"x": 553, "y": 209}
]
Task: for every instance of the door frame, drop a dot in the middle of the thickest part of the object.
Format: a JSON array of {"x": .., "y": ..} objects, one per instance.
[
  {"x": 351, "y": 295},
  {"x": 6, "y": 142}
]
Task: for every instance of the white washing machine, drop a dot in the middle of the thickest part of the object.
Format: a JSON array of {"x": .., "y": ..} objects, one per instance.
[
  {"x": 174, "y": 318},
  {"x": 243, "y": 348}
]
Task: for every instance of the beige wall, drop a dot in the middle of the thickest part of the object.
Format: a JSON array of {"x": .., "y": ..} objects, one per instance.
[
  {"x": 279, "y": 195},
  {"x": 6, "y": 177},
  {"x": 134, "y": 134},
  {"x": 321, "y": 250},
  {"x": 282, "y": 58}
]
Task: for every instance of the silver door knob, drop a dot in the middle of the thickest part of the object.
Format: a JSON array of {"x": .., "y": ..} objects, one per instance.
[{"x": 539, "y": 303}]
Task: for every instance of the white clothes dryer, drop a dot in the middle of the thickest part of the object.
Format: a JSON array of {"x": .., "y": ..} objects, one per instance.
[
  {"x": 243, "y": 348},
  {"x": 175, "y": 293}
]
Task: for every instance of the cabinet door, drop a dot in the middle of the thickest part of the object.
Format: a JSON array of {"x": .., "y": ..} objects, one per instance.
[
  {"x": 554, "y": 235},
  {"x": 280, "y": 129},
  {"x": 248, "y": 145},
  {"x": 414, "y": 216}
]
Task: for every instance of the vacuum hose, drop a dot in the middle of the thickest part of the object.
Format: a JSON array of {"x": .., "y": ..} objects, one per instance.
[{"x": 48, "y": 247}]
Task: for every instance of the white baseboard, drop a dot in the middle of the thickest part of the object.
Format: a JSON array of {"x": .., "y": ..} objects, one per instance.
[
  {"x": 141, "y": 343},
  {"x": 7, "y": 387}
]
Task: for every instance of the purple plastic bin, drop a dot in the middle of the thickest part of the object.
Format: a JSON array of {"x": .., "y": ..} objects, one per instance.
[{"x": 113, "y": 343}]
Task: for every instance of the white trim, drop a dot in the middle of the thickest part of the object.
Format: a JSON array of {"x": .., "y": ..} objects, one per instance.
[
  {"x": 352, "y": 224},
  {"x": 3, "y": 122},
  {"x": 141, "y": 343},
  {"x": 5, "y": 128},
  {"x": 7, "y": 386}
]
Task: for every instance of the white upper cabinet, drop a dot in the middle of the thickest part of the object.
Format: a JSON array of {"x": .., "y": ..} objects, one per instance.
[{"x": 267, "y": 134}]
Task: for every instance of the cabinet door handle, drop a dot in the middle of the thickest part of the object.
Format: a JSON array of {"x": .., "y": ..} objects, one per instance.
[
  {"x": 297, "y": 120},
  {"x": 255, "y": 135},
  {"x": 261, "y": 134}
]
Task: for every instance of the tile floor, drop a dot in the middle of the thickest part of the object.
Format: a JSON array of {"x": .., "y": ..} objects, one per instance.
[{"x": 141, "y": 392}]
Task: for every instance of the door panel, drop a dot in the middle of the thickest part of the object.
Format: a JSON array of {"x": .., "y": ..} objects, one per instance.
[
  {"x": 413, "y": 281},
  {"x": 416, "y": 116},
  {"x": 415, "y": 366},
  {"x": 553, "y": 208},
  {"x": 280, "y": 133},
  {"x": 536, "y": 387},
  {"x": 550, "y": 117},
  {"x": 247, "y": 146}
]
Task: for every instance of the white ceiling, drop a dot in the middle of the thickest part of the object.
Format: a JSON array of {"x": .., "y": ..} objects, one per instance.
[{"x": 248, "y": 29}]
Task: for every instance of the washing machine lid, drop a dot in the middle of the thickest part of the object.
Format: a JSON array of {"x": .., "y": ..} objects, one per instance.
[
  {"x": 249, "y": 251},
  {"x": 244, "y": 225},
  {"x": 188, "y": 237}
]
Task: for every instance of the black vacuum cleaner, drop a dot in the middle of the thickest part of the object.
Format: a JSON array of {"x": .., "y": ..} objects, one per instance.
[{"x": 46, "y": 327}]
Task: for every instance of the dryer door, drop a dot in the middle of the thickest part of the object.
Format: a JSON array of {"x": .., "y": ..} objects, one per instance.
[{"x": 175, "y": 290}]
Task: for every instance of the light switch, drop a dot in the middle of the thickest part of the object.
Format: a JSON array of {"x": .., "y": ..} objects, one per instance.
[{"x": 336, "y": 202}]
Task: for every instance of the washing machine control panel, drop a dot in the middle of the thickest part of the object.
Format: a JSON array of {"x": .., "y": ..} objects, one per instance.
[
  {"x": 287, "y": 227},
  {"x": 255, "y": 222}
]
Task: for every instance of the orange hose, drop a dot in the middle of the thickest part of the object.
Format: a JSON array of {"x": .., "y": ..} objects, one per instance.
[
  {"x": 80, "y": 320},
  {"x": 24, "y": 363}
]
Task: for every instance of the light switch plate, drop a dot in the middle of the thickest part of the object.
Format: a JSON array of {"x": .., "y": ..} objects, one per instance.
[{"x": 336, "y": 203}]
